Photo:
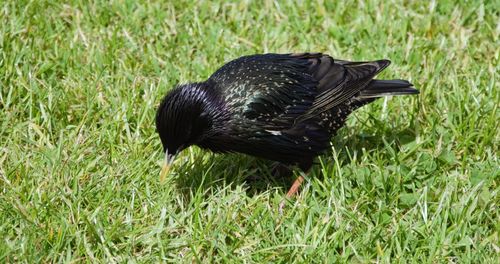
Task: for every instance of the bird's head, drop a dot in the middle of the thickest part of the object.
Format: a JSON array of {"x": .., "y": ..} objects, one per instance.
[{"x": 183, "y": 119}]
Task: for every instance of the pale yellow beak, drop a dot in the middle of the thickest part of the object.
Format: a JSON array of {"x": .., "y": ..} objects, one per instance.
[{"x": 165, "y": 169}]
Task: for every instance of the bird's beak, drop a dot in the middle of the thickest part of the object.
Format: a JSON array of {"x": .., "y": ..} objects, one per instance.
[{"x": 169, "y": 159}]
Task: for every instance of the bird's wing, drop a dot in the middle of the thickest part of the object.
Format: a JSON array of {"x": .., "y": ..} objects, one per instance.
[
  {"x": 338, "y": 80},
  {"x": 285, "y": 89},
  {"x": 271, "y": 89}
]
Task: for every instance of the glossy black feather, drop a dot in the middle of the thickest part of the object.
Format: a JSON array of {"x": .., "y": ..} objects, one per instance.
[{"x": 282, "y": 107}]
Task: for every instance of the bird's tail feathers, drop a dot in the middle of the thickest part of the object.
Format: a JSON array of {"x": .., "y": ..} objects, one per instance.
[{"x": 380, "y": 88}]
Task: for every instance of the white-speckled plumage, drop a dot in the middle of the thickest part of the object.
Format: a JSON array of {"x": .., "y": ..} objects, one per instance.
[{"x": 283, "y": 107}]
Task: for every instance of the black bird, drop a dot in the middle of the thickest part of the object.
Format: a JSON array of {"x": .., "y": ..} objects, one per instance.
[{"x": 281, "y": 107}]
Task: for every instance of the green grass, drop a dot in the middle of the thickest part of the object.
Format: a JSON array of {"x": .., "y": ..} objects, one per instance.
[{"x": 409, "y": 179}]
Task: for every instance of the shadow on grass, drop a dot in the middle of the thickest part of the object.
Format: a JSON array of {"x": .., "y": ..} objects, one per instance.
[
  {"x": 217, "y": 171},
  {"x": 351, "y": 147}
]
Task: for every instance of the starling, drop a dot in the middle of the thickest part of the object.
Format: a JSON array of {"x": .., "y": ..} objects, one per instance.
[{"x": 281, "y": 107}]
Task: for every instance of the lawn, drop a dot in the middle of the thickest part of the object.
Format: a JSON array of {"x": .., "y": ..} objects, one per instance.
[{"x": 411, "y": 179}]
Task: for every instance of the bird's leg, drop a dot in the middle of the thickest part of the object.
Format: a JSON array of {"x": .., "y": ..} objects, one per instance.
[
  {"x": 291, "y": 192},
  {"x": 305, "y": 166},
  {"x": 295, "y": 187}
]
